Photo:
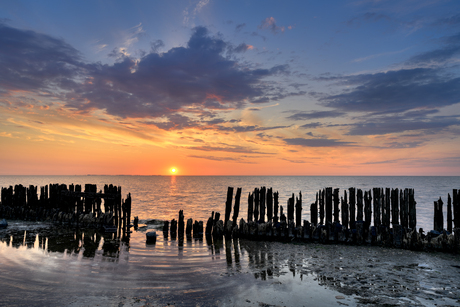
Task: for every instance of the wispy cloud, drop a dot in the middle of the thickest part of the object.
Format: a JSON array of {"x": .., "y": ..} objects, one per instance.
[{"x": 269, "y": 23}]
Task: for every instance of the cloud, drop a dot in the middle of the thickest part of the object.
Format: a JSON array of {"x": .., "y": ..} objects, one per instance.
[
  {"x": 193, "y": 10},
  {"x": 228, "y": 148},
  {"x": 317, "y": 142},
  {"x": 31, "y": 61},
  {"x": 198, "y": 78},
  {"x": 242, "y": 48},
  {"x": 240, "y": 27},
  {"x": 439, "y": 56},
  {"x": 400, "y": 124},
  {"x": 315, "y": 115},
  {"x": 269, "y": 23},
  {"x": 395, "y": 91}
]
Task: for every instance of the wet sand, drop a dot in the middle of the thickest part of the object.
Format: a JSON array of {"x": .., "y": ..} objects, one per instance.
[{"x": 46, "y": 266}]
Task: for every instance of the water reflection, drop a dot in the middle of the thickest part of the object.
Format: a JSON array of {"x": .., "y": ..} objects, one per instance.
[{"x": 80, "y": 242}]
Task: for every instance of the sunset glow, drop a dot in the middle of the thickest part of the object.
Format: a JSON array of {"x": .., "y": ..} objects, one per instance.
[{"x": 350, "y": 88}]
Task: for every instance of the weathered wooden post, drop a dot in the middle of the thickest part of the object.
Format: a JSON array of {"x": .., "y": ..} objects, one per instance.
[
  {"x": 387, "y": 207},
  {"x": 456, "y": 207},
  {"x": 449, "y": 213},
  {"x": 269, "y": 204},
  {"x": 321, "y": 206},
  {"x": 405, "y": 213},
  {"x": 173, "y": 229},
  {"x": 336, "y": 206},
  {"x": 262, "y": 205},
  {"x": 290, "y": 209},
  {"x": 275, "y": 207},
  {"x": 298, "y": 211},
  {"x": 345, "y": 209},
  {"x": 412, "y": 210},
  {"x": 367, "y": 209},
  {"x": 359, "y": 205},
  {"x": 395, "y": 207},
  {"x": 181, "y": 224},
  {"x": 376, "y": 207},
  {"x": 228, "y": 204},
  {"x": 250, "y": 206},
  {"x": 188, "y": 229},
  {"x": 236, "y": 208},
  {"x": 314, "y": 213},
  {"x": 256, "y": 204},
  {"x": 438, "y": 221},
  {"x": 352, "y": 207},
  {"x": 329, "y": 205}
]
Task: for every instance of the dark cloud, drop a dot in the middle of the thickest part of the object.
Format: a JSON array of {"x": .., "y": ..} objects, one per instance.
[
  {"x": 450, "y": 50},
  {"x": 240, "y": 27},
  {"x": 400, "y": 124},
  {"x": 311, "y": 125},
  {"x": 317, "y": 142},
  {"x": 315, "y": 115},
  {"x": 30, "y": 61},
  {"x": 199, "y": 77},
  {"x": 395, "y": 91}
]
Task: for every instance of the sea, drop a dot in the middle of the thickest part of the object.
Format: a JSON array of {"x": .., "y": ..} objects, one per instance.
[
  {"x": 41, "y": 265},
  {"x": 161, "y": 197}
]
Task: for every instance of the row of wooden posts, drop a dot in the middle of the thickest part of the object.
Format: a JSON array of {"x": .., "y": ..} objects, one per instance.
[
  {"x": 378, "y": 216},
  {"x": 395, "y": 206},
  {"x": 68, "y": 204}
]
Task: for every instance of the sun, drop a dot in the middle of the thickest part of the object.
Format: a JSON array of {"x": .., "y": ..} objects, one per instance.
[{"x": 173, "y": 170}]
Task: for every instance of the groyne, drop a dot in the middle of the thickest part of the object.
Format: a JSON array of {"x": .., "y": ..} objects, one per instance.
[
  {"x": 380, "y": 216},
  {"x": 69, "y": 205}
]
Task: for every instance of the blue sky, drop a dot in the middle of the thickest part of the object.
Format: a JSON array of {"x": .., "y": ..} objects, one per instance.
[{"x": 231, "y": 87}]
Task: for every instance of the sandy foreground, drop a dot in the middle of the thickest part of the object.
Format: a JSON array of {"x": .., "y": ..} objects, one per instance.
[{"x": 95, "y": 270}]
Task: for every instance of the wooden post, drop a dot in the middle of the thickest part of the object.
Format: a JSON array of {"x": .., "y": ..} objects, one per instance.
[
  {"x": 367, "y": 210},
  {"x": 359, "y": 205},
  {"x": 290, "y": 208},
  {"x": 352, "y": 207},
  {"x": 376, "y": 207},
  {"x": 250, "y": 206},
  {"x": 236, "y": 208},
  {"x": 262, "y": 205},
  {"x": 298, "y": 211},
  {"x": 188, "y": 229},
  {"x": 228, "y": 204},
  {"x": 328, "y": 205},
  {"x": 449, "y": 213},
  {"x": 321, "y": 207},
  {"x": 456, "y": 207},
  {"x": 412, "y": 210},
  {"x": 314, "y": 213},
  {"x": 181, "y": 224},
  {"x": 387, "y": 207},
  {"x": 438, "y": 221},
  {"x": 336, "y": 206},
  {"x": 256, "y": 205},
  {"x": 345, "y": 209},
  {"x": 395, "y": 207},
  {"x": 275, "y": 207},
  {"x": 269, "y": 204}
]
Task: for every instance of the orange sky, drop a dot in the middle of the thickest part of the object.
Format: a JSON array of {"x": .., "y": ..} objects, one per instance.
[{"x": 354, "y": 88}]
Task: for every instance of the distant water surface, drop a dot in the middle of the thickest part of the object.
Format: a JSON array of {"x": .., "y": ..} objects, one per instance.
[{"x": 161, "y": 197}]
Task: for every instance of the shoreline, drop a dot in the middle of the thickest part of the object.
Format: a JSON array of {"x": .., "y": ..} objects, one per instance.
[{"x": 226, "y": 273}]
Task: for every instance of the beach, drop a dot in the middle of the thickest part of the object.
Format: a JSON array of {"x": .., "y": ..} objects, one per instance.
[{"x": 45, "y": 265}]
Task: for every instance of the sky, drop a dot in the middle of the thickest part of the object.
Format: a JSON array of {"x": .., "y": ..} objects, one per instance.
[{"x": 207, "y": 87}]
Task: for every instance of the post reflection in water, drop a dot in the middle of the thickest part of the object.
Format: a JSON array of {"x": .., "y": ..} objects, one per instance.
[{"x": 84, "y": 242}]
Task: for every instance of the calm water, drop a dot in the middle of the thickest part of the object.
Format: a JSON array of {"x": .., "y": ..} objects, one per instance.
[
  {"x": 49, "y": 268},
  {"x": 161, "y": 197}
]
